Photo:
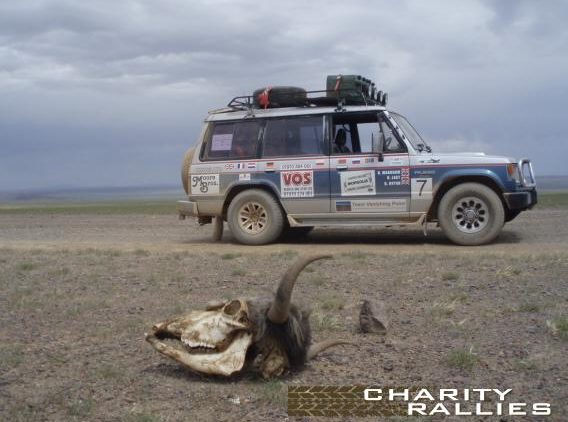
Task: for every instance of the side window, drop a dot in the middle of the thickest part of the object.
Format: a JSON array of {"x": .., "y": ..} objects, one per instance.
[
  {"x": 357, "y": 133},
  {"x": 233, "y": 140},
  {"x": 293, "y": 136}
]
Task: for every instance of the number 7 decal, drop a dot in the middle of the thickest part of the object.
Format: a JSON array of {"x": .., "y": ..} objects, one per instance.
[{"x": 421, "y": 188}]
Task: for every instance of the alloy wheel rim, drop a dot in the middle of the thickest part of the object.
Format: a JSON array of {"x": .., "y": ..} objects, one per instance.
[
  {"x": 253, "y": 217},
  {"x": 470, "y": 214}
]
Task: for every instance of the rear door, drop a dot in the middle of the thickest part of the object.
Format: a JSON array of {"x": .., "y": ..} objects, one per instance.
[
  {"x": 295, "y": 161},
  {"x": 364, "y": 183}
]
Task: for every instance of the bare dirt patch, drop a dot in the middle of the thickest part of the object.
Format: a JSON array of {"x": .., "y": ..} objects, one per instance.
[{"x": 79, "y": 291}]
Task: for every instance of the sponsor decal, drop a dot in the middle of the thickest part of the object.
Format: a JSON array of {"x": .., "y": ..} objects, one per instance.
[
  {"x": 251, "y": 166},
  {"x": 244, "y": 176},
  {"x": 240, "y": 166},
  {"x": 356, "y": 161},
  {"x": 296, "y": 166},
  {"x": 297, "y": 184},
  {"x": 379, "y": 205},
  {"x": 229, "y": 166},
  {"x": 421, "y": 187},
  {"x": 270, "y": 165},
  {"x": 204, "y": 184},
  {"x": 222, "y": 142},
  {"x": 320, "y": 163},
  {"x": 358, "y": 183},
  {"x": 394, "y": 177},
  {"x": 372, "y": 205},
  {"x": 207, "y": 169},
  {"x": 369, "y": 160},
  {"x": 342, "y": 161}
]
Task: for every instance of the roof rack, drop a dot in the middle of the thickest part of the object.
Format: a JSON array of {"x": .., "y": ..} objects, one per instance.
[{"x": 339, "y": 98}]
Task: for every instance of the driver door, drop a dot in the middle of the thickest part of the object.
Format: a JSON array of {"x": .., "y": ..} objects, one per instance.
[{"x": 369, "y": 174}]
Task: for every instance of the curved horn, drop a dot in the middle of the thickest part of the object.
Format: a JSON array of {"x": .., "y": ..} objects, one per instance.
[
  {"x": 278, "y": 312},
  {"x": 317, "y": 348}
]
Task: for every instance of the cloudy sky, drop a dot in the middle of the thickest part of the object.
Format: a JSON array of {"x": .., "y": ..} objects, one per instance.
[{"x": 111, "y": 93}]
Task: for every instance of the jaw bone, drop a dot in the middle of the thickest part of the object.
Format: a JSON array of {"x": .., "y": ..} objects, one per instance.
[{"x": 224, "y": 363}]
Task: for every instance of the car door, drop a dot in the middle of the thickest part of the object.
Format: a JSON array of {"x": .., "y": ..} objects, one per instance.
[
  {"x": 295, "y": 161},
  {"x": 369, "y": 171}
]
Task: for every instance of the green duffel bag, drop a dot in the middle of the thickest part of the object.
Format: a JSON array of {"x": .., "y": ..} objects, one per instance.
[{"x": 353, "y": 88}]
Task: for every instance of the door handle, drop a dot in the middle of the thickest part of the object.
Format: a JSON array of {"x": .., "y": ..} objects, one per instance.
[{"x": 431, "y": 160}]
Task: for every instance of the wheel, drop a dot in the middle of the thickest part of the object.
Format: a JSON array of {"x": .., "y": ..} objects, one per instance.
[
  {"x": 255, "y": 217},
  {"x": 187, "y": 158},
  {"x": 471, "y": 214}
]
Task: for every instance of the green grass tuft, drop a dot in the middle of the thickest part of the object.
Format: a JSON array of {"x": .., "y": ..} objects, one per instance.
[{"x": 462, "y": 359}]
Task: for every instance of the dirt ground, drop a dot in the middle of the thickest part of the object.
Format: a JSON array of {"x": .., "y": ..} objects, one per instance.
[{"x": 78, "y": 291}]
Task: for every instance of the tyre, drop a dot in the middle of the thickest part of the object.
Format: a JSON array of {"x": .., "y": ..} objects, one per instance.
[
  {"x": 255, "y": 218},
  {"x": 471, "y": 214},
  {"x": 187, "y": 158}
]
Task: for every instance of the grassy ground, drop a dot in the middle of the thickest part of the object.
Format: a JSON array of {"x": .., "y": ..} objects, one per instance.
[{"x": 73, "y": 321}]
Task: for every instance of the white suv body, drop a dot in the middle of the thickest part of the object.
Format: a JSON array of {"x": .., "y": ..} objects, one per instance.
[{"x": 265, "y": 171}]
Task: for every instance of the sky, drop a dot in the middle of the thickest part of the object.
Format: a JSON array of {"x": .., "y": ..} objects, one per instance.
[{"x": 106, "y": 93}]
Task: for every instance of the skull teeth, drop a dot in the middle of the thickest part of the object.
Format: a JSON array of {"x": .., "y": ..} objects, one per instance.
[{"x": 196, "y": 345}]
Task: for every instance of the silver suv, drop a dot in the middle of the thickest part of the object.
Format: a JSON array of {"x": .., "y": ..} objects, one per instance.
[{"x": 314, "y": 163}]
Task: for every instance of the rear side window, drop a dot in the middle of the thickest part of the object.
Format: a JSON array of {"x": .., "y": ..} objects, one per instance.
[
  {"x": 233, "y": 140},
  {"x": 293, "y": 136}
]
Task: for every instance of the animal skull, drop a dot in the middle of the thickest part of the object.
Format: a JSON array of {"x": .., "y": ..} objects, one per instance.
[{"x": 270, "y": 336}]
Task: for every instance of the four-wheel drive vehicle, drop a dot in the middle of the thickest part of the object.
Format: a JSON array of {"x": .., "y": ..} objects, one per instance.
[{"x": 270, "y": 164}]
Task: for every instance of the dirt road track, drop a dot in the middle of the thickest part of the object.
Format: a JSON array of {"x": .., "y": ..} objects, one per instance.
[{"x": 532, "y": 231}]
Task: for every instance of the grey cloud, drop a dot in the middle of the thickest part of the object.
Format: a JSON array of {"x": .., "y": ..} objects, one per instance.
[{"x": 135, "y": 75}]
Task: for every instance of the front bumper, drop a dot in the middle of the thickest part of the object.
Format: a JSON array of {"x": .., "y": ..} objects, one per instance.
[
  {"x": 187, "y": 209},
  {"x": 521, "y": 200}
]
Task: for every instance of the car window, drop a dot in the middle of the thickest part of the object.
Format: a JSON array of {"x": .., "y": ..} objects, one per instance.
[
  {"x": 233, "y": 140},
  {"x": 356, "y": 133},
  {"x": 293, "y": 136}
]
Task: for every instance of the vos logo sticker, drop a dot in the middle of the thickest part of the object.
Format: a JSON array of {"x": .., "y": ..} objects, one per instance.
[
  {"x": 204, "y": 184},
  {"x": 297, "y": 184}
]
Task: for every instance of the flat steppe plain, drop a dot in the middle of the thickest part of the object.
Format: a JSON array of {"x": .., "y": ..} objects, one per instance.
[{"x": 79, "y": 286}]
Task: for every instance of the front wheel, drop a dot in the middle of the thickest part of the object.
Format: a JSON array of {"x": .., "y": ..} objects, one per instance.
[
  {"x": 471, "y": 214},
  {"x": 255, "y": 217}
]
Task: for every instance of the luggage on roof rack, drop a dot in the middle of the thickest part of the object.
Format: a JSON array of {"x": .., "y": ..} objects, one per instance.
[
  {"x": 354, "y": 89},
  {"x": 341, "y": 90},
  {"x": 279, "y": 96}
]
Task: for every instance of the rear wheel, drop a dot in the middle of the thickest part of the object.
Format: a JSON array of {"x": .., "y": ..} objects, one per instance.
[
  {"x": 471, "y": 214},
  {"x": 255, "y": 218}
]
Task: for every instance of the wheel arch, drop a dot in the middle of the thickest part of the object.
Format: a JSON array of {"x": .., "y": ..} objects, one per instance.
[
  {"x": 238, "y": 188},
  {"x": 452, "y": 181}
]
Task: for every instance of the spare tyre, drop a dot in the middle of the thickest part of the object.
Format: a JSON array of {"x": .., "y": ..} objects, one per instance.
[
  {"x": 279, "y": 96},
  {"x": 187, "y": 159}
]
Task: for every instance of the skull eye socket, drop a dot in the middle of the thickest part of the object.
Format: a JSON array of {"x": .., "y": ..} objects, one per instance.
[{"x": 232, "y": 307}]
